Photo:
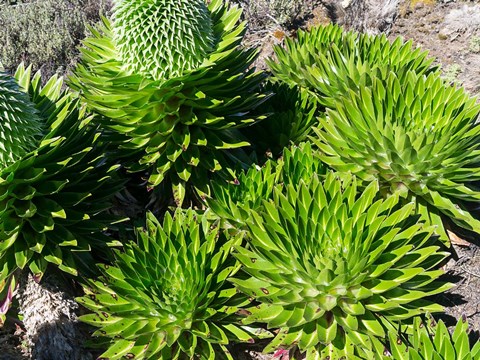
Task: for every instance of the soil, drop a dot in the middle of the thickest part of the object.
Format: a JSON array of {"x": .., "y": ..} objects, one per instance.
[
  {"x": 12, "y": 344},
  {"x": 450, "y": 30},
  {"x": 463, "y": 300}
]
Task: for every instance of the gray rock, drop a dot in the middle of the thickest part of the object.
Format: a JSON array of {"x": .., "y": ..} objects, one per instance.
[{"x": 50, "y": 320}]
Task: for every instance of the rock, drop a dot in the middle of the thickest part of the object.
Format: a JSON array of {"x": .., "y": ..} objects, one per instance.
[
  {"x": 52, "y": 329},
  {"x": 369, "y": 16},
  {"x": 465, "y": 19}
]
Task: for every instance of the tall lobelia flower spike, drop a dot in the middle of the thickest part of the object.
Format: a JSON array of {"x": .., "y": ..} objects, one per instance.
[
  {"x": 150, "y": 43},
  {"x": 20, "y": 124},
  {"x": 174, "y": 87}
]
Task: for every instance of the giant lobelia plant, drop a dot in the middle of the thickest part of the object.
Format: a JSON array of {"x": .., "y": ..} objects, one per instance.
[
  {"x": 173, "y": 86},
  {"x": 233, "y": 201},
  {"x": 291, "y": 116},
  {"x": 54, "y": 181},
  {"x": 166, "y": 296},
  {"x": 432, "y": 340},
  {"x": 326, "y": 61},
  {"x": 417, "y": 137},
  {"x": 332, "y": 270},
  {"x": 312, "y": 70}
]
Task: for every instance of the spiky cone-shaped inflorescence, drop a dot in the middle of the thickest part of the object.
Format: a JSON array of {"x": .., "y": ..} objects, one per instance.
[
  {"x": 54, "y": 190},
  {"x": 417, "y": 137},
  {"x": 327, "y": 61},
  {"x": 166, "y": 297},
  {"x": 19, "y": 122},
  {"x": 291, "y": 116},
  {"x": 330, "y": 268},
  {"x": 431, "y": 340},
  {"x": 233, "y": 201},
  {"x": 174, "y": 87}
]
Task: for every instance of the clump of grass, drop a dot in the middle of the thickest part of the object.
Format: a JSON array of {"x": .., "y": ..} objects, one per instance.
[
  {"x": 262, "y": 14},
  {"x": 474, "y": 44},
  {"x": 450, "y": 74}
]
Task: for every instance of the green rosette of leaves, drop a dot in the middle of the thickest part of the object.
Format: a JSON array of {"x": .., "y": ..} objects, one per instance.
[
  {"x": 312, "y": 70},
  {"x": 414, "y": 135},
  {"x": 233, "y": 201},
  {"x": 326, "y": 61},
  {"x": 54, "y": 181},
  {"x": 166, "y": 296},
  {"x": 173, "y": 86},
  {"x": 331, "y": 269},
  {"x": 428, "y": 339},
  {"x": 291, "y": 116}
]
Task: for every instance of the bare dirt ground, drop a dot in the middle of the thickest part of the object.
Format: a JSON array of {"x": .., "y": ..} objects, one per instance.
[
  {"x": 463, "y": 300},
  {"x": 451, "y": 33}
]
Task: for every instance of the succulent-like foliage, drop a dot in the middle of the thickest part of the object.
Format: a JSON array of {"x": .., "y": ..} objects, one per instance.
[
  {"x": 53, "y": 197},
  {"x": 19, "y": 123},
  {"x": 166, "y": 297},
  {"x": 416, "y": 136},
  {"x": 151, "y": 44},
  {"x": 329, "y": 267},
  {"x": 311, "y": 71},
  {"x": 327, "y": 61},
  {"x": 174, "y": 87},
  {"x": 292, "y": 114},
  {"x": 431, "y": 340},
  {"x": 234, "y": 200}
]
